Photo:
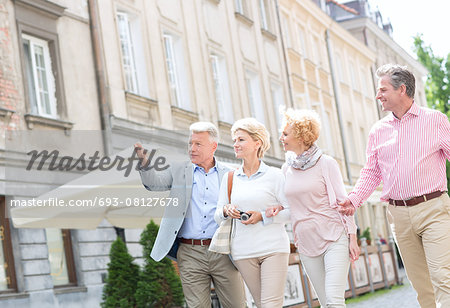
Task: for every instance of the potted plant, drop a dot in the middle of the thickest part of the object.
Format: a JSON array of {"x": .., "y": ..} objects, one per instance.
[{"x": 366, "y": 234}]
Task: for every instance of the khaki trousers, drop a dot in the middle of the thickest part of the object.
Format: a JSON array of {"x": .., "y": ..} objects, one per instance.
[
  {"x": 198, "y": 267},
  {"x": 265, "y": 278},
  {"x": 422, "y": 233}
]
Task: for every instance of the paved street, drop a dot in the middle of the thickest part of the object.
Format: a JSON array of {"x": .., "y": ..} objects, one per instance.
[{"x": 404, "y": 297}]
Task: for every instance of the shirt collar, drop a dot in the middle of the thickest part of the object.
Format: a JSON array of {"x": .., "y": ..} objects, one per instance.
[
  {"x": 262, "y": 169},
  {"x": 413, "y": 110},
  {"x": 198, "y": 168}
]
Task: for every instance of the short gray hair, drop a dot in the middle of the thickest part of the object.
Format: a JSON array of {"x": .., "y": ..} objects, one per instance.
[
  {"x": 399, "y": 75},
  {"x": 208, "y": 127}
]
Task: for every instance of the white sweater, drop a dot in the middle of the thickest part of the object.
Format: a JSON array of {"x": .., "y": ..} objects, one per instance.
[{"x": 263, "y": 189}]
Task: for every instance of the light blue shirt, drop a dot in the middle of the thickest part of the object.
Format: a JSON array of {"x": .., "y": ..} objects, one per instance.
[{"x": 199, "y": 222}]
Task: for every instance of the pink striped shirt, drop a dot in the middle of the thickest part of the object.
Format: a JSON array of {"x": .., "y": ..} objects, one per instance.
[{"x": 407, "y": 154}]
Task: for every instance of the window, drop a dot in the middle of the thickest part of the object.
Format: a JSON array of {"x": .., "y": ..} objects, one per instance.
[
  {"x": 221, "y": 88},
  {"x": 365, "y": 88},
  {"x": 325, "y": 138},
  {"x": 339, "y": 68},
  {"x": 254, "y": 97},
  {"x": 241, "y": 7},
  {"x": 353, "y": 76},
  {"x": 176, "y": 71},
  {"x": 286, "y": 31},
  {"x": 42, "y": 75},
  {"x": 132, "y": 54},
  {"x": 265, "y": 14},
  {"x": 39, "y": 76},
  {"x": 7, "y": 271},
  {"x": 353, "y": 153},
  {"x": 60, "y": 256},
  {"x": 301, "y": 37},
  {"x": 316, "y": 51},
  {"x": 278, "y": 104}
]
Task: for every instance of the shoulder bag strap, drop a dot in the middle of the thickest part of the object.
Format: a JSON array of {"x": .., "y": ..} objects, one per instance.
[{"x": 230, "y": 184}]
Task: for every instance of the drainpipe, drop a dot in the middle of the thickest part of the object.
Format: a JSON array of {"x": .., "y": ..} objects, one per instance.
[
  {"x": 102, "y": 87},
  {"x": 99, "y": 62},
  {"x": 277, "y": 8},
  {"x": 338, "y": 106}
]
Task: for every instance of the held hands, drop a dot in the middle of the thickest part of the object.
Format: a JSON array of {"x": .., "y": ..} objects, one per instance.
[
  {"x": 274, "y": 210},
  {"x": 353, "y": 248},
  {"x": 346, "y": 207}
]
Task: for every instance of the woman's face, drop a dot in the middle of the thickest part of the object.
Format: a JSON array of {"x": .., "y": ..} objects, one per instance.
[
  {"x": 290, "y": 142},
  {"x": 244, "y": 145}
]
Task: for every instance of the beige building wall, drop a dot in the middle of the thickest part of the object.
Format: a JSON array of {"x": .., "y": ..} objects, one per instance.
[
  {"x": 199, "y": 30},
  {"x": 304, "y": 27},
  {"x": 387, "y": 51}
]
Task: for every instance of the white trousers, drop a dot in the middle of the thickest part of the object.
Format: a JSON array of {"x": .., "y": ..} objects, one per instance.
[{"x": 328, "y": 273}]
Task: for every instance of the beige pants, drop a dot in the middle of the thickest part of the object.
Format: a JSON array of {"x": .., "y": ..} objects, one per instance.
[
  {"x": 265, "y": 278},
  {"x": 422, "y": 233},
  {"x": 198, "y": 267},
  {"x": 328, "y": 273}
]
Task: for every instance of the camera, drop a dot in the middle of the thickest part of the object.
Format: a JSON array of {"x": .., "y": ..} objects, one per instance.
[{"x": 244, "y": 216}]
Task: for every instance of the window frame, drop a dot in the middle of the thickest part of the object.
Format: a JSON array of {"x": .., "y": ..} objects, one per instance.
[
  {"x": 177, "y": 76},
  {"x": 39, "y": 19},
  {"x": 221, "y": 85},
  {"x": 70, "y": 260},
  {"x": 33, "y": 68},
  {"x": 5, "y": 237}
]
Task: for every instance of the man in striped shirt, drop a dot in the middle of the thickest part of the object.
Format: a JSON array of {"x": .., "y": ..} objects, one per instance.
[{"x": 407, "y": 150}]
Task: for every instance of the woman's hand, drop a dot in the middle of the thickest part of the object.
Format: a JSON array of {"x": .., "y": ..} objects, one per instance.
[
  {"x": 254, "y": 218},
  {"x": 274, "y": 210},
  {"x": 353, "y": 248},
  {"x": 229, "y": 210}
]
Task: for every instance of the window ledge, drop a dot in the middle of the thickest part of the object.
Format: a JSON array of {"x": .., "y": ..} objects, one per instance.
[
  {"x": 140, "y": 98},
  {"x": 32, "y": 119},
  {"x": 69, "y": 289},
  {"x": 53, "y": 9},
  {"x": 244, "y": 19},
  {"x": 268, "y": 34},
  {"x": 6, "y": 296},
  {"x": 184, "y": 112},
  {"x": 215, "y": 1},
  {"x": 6, "y": 113}
]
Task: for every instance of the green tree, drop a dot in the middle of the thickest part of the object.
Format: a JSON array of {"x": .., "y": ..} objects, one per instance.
[
  {"x": 122, "y": 278},
  {"x": 159, "y": 285},
  {"x": 438, "y": 81}
]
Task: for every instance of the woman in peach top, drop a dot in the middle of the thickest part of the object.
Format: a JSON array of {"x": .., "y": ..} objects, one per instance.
[{"x": 326, "y": 240}]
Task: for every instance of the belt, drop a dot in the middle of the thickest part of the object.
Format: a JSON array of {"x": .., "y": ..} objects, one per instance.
[
  {"x": 204, "y": 242},
  {"x": 416, "y": 200}
]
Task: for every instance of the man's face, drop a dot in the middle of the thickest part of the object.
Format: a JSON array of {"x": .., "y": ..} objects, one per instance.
[
  {"x": 389, "y": 97},
  {"x": 201, "y": 148}
]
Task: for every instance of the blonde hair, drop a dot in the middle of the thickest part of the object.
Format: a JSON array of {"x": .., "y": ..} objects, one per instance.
[
  {"x": 256, "y": 130},
  {"x": 305, "y": 123}
]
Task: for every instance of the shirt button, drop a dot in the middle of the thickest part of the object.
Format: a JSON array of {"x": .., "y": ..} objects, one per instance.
[
  {"x": 204, "y": 216},
  {"x": 203, "y": 231},
  {"x": 205, "y": 202},
  {"x": 206, "y": 175},
  {"x": 206, "y": 187}
]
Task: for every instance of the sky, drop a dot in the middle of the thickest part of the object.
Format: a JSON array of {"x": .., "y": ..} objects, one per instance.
[{"x": 409, "y": 17}]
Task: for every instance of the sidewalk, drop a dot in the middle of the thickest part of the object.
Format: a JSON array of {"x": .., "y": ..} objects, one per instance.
[{"x": 401, "y": 297}]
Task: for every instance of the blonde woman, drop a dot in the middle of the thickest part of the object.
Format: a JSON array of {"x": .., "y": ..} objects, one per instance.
[
  {"x": 259, "y": 245},
  {"x": 326, "y": 240}
]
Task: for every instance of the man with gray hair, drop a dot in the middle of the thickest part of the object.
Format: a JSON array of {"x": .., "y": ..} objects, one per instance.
[
  {"x": 186, "y": 230},
  {"x": 407, "y": 150}
]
